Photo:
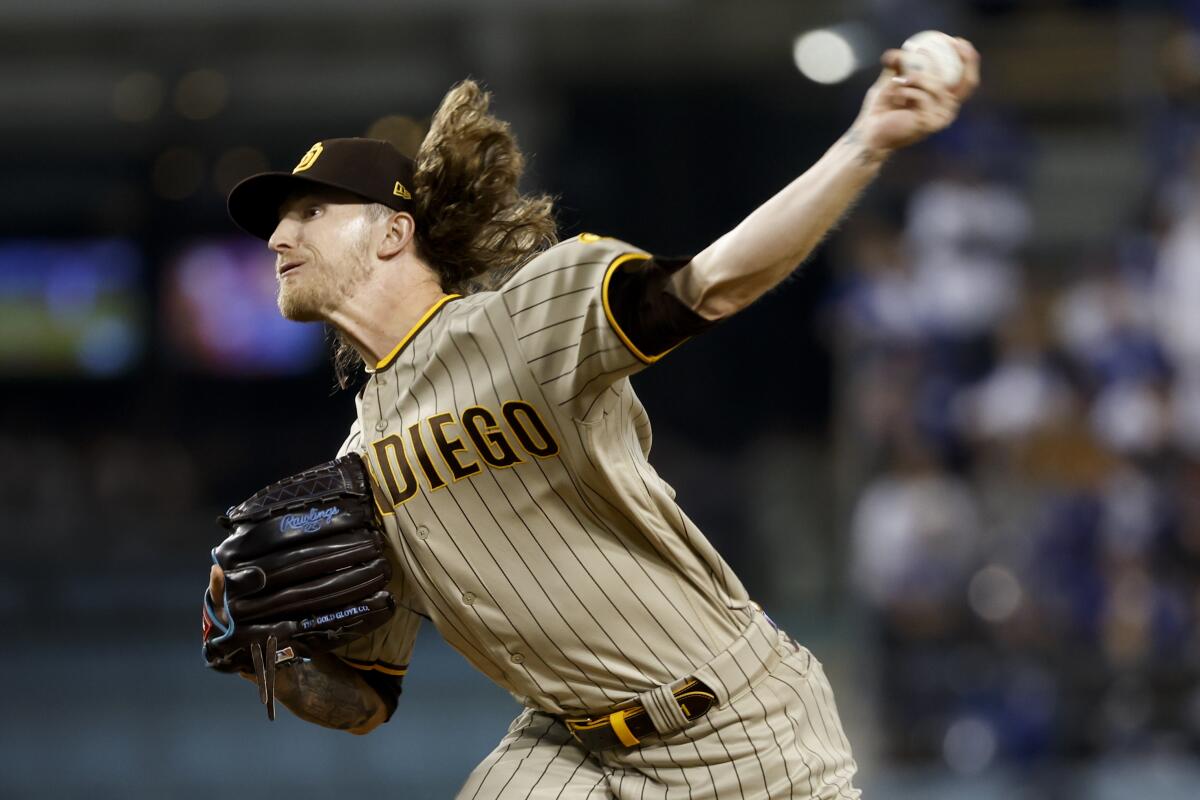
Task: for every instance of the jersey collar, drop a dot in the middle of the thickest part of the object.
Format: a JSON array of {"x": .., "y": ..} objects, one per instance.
[{"x": 387, "y": 360}]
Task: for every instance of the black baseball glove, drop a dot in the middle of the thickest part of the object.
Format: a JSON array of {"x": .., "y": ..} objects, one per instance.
[{"x": 304, "y": 573}]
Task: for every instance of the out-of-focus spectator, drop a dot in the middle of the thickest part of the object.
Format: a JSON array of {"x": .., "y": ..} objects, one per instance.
[
  {"x": 1105, "y": 322},
  {"x": 915, "y": 535},
  {"x": 965, "y": 236},
  {"x": 878, "y": 305},
  {"x": 1177, "y": 292},
  {"x": 1131, "y": 417},
  {"x": 1022, "y": 395}
]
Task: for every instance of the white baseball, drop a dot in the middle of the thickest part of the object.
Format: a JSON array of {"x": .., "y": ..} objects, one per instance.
[{"x": 932, "y": 53}]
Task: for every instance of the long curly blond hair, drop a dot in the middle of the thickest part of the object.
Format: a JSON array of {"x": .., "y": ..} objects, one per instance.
[{"x": 474, "y": 227}]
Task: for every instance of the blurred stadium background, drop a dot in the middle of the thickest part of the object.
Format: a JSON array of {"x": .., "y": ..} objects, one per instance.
[{"x": 959, "y": 456}]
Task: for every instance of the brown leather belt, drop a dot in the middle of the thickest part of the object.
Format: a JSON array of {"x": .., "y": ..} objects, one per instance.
[{"x": 628, "y": 726}]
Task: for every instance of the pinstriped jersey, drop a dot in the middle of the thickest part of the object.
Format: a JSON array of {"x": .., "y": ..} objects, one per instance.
[{"x": 509, "y": 454}]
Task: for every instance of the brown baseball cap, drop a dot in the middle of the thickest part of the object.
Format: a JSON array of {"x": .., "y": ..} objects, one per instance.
[{"x": 370, "y": 168}]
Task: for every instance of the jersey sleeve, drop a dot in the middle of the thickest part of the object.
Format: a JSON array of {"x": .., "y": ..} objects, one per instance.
[
  {"x": 591, "y": 311},
  {"x": 382, "y": 656},
  {"x": 353, "y": 441}
]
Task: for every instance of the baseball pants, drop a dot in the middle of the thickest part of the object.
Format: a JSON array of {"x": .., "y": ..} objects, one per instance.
[{"x": 778, "y": 735}]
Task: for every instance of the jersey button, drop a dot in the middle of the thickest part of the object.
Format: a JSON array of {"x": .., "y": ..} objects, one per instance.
[
  {"x": 517, "y": 658},
  {"x": 468, "y": 598},
  {"x": 381, "y": 425},
  {"x": 380, "y": 380},
  {"x": 422, "y": 532}
]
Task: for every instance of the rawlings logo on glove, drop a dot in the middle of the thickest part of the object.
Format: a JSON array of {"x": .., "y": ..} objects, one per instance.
[{"x": 310, "y": 522}]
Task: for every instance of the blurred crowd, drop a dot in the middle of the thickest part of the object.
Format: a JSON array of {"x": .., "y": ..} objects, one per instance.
[{"x": 1023, "y": 439}]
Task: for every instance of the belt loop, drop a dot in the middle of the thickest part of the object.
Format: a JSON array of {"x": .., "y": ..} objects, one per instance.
[
  {"x": 621, "y": 728},
  {"x": 664, "y": 710}
]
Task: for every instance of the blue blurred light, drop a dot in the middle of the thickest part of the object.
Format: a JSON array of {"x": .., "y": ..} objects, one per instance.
[
  {"x": 70, "y": 307},
  {"x": 222, "y": 313}
]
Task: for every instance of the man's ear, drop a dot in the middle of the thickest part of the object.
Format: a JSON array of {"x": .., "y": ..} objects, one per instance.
[{"x": 400, "y": 230}]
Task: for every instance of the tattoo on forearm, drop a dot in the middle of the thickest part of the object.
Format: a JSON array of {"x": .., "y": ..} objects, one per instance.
[
  {"x": 330, "y": 697},
  {"x": 866, "y": 156}
]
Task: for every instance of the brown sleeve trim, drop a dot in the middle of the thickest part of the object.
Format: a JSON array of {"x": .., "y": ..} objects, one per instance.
[
  {"x": 647, "y": 318},
  {"x": 382, "y": 666}
]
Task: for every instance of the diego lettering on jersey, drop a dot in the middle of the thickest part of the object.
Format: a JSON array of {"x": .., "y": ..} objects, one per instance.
[{"x": 481, "y": 441}]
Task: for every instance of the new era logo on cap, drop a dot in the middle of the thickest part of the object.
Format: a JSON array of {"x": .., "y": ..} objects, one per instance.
[{"x": 370, "y": 168}]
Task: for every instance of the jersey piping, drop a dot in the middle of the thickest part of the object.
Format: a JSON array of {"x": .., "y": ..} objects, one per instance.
[{"x": 408, "y": 337}]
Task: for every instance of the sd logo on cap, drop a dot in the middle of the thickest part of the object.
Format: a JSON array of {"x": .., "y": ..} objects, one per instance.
[{"x": 309, "y": 158}]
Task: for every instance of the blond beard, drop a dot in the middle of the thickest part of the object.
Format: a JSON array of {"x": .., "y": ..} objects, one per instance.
[{"x": 314, "y": 296}]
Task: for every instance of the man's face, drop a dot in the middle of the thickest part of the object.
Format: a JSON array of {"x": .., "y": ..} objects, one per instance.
[{"x": 323, "y": 253}]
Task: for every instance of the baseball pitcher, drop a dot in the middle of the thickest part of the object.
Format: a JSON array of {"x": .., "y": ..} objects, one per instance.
[{"x": 496, "y": 481}]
